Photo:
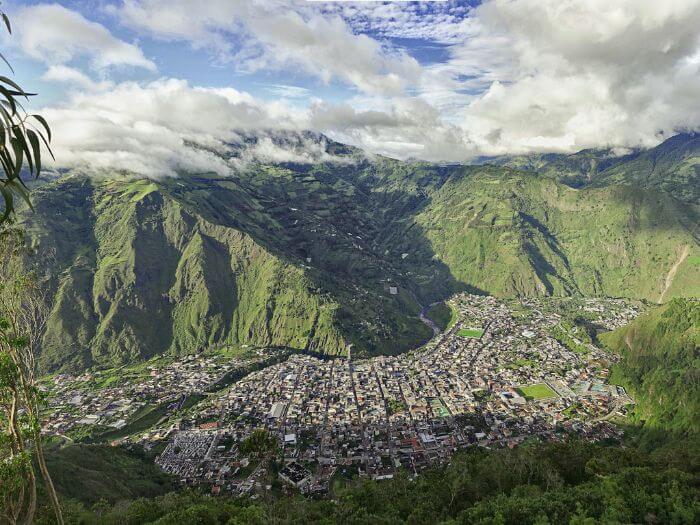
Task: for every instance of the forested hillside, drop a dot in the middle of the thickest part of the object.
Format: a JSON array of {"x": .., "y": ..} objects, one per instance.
[
  {"x": 577, "y": 483},
  {"x": 673, "y": 166}
]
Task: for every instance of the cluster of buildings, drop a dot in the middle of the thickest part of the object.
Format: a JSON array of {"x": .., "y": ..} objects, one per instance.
[
  {"x": 112, "y": 398},
  {"x": 496, "y": 378}
]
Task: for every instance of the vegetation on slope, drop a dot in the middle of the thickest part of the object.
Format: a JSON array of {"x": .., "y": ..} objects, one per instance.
[
  {"x": 323, "y": 256},
  {"x": 572, "y": 482},
  {"x": 514, "y": 233},
  {"x": 141, "y": 276},
  {"x": 660, "y": 367},
  {"x": 442, "y": 314},
  {"x": 673, "y": 167},
  {"x": 94, "y": 473}
]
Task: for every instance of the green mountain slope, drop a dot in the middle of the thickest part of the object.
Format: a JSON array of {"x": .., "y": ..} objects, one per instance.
[
  {"x": 93, "y": 473},
  {"x": 661, "y": 367},
  {"x": 511, "y": 232},
  {"x": 324, "y": 256},
  {"x": 576, "y": 170},
  {"x": 141, "y": 276},
  {"x": 673, "y": 166}
]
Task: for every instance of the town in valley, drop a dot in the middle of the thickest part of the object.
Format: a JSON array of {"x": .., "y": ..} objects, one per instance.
[{"x": 500, "y": 374}]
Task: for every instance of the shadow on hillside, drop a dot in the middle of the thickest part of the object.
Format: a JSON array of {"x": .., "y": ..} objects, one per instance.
[{"x": 352, "y": 230}]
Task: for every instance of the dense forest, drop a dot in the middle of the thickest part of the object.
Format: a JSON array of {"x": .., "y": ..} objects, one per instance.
[{"x": 574, "y": 482}]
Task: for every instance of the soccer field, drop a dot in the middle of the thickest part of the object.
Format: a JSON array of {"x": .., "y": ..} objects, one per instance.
[
  {"x": 538, "y": 391},
  {"x": 470, "y": 332}
]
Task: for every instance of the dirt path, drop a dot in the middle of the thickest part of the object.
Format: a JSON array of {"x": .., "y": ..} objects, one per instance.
[{"x": 672, "y": 272}]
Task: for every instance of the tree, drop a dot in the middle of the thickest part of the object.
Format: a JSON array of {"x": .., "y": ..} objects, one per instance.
[
  {"x": 21, "y": 138},
  {"x": 260, "y": 443},
  {"x": 22, "y": 312},
  {"x": 23, "y": 315}
]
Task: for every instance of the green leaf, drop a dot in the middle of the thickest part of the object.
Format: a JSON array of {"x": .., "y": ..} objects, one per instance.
[
  {"x": 6, "y": 161},
  {"x": 19, "y": 158},
  {"x": 20, "y": 190},
  {"x": 43, "y": 122},
  {"x": 7, "y": 197},
  {"x": 5, "y": 115},
  {"x": 36, "y": 149},
  {"x": 7, "y": 23},
  {"x": 19, "y": 137},
  {"x": 12, "y": 83},
  {"x": 46, "y": 143},
  {"x": 6, "y": 62},
  {"x": 18, "y": 89},
  {"x": 10, "y": 99}
]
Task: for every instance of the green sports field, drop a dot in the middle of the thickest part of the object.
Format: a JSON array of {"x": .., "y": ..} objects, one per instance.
[
  {"x": 470, "y": 332},
  {"x": 538, "y": 391}
]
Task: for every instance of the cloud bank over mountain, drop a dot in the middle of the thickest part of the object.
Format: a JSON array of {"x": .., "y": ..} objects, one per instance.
[{"x": 436, "y": 81}]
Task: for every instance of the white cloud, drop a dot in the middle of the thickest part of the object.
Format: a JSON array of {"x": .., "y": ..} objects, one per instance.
[
  {"x": 57, "y": 35},
  {"x": 149, "y": 129},
  {"x": 522, "y": 75},
  {"x": 587, "y": 74},
  {"x": 275, "y": 35},
  {"x": 69, "y": 75}
]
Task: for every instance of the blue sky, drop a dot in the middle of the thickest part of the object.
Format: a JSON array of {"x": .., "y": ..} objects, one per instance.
[
  {"x": 441, "y": 81},
  {"x": 202, "y": 66}
]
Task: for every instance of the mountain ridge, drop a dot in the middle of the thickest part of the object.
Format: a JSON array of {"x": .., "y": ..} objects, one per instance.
[{"x": 320, "y": 256}]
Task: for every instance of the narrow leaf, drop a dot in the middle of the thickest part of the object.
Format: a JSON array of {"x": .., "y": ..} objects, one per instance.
[
  {"x": 22, "y": 191},
  {"x": 7, "y": 23},
  {"x": 6, "y": 62},
  {"x": 36, "y": 149},
  {"x": 43, "y": 122},
  {"x": 6, "y": 161},
  {"x": 10, "y": 99},
  {"x": 19, "y": 158},
  {"x": 19, "y": 137},
  {"x": 7, "y": 196},
  {"x": 11, "y": 83}
]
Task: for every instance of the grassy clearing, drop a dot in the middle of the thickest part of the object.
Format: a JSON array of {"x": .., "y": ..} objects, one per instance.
[
  {"x": 470, "y": 332},
  {"x": 538, "y": 391},
  {"x": 439, "y": 408},
  {"x": 519, "y": 363}
]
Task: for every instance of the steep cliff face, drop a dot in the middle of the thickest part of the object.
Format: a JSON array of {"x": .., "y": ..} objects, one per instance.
[{"x": 141, "y": 276}]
